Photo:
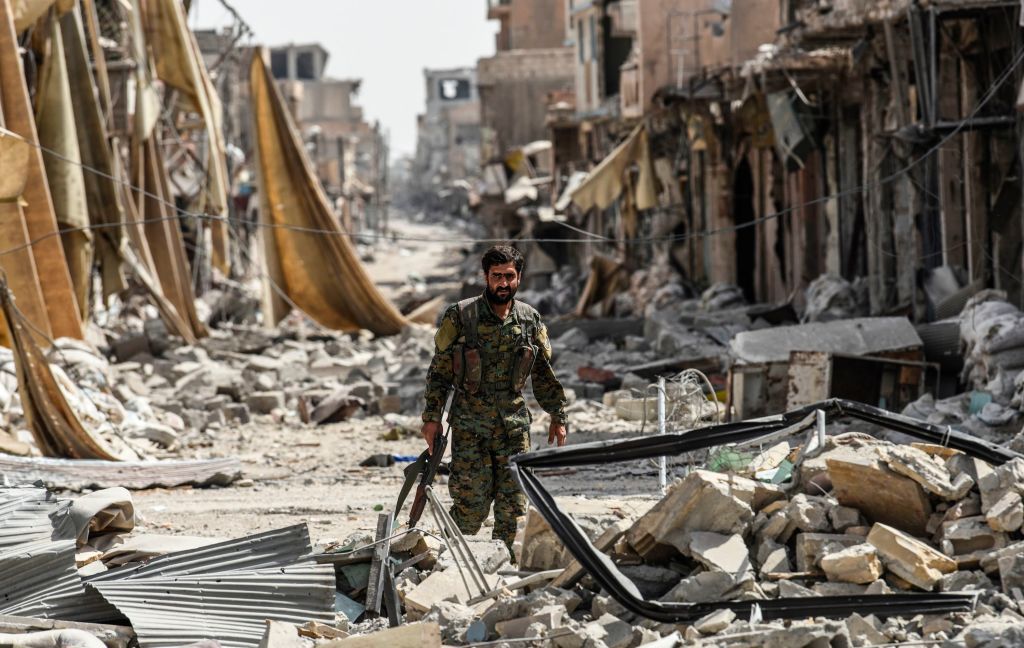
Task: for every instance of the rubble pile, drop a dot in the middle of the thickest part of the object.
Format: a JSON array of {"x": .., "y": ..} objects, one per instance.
[{"x": 160, "y": 398}]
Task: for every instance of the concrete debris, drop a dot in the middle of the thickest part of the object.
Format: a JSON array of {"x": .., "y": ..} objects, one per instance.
[
  {"x": 909, "y": 558},
  {"x": 856, "y": 564}
]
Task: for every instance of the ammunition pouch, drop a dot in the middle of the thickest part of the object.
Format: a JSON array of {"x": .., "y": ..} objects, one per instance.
[
  {"x": 467, "y": 368},
  {"x": 525, "y": 357}
]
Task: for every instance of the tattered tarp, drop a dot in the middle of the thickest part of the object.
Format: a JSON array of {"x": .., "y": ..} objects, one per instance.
[
  {"x": 860, "y": 336},
  {"x": 102, "y": 192},
  {"x": 158, "y": 234},
  {"x": 27, "y": 12},
  {"x": 229, "y": 607},
  {"x": 55, "y": 120},
  {"x": 608, "y": 179},
  {"x": 81, "y": 474},
  {"x": 56, "y": 427},
  {"x": 38, "y": 274},
  {"x": 623, "y": 590},
  {"x": 318, "y": 269},
  {"x": 180, "y": 65},
  {"x": 14, "y": 151}
]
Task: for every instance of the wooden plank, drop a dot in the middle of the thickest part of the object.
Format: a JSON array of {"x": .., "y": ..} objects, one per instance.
[{"x": 381, "y": 553}]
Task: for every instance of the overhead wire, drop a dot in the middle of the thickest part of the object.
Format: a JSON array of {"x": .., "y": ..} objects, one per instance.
[{"x": 181, "y": 213}]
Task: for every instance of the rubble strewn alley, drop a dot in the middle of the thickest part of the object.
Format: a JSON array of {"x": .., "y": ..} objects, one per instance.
[{"x": 710, "y": 310}]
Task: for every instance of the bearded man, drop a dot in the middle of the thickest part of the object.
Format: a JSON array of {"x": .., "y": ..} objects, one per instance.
[{"x": 485, "y": 349}]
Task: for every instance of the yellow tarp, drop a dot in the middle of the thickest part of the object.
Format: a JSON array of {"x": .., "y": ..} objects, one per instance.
[
  {"x": 51, "y": 270},
  {"x": 57, "y": 429},
  {"x": 180, "y": 65},
  {"x": 163, "y": 238},
  {"x": 319, "y": 271},
  {"x": 607, "y": 181},
  {"x": 26, "y": 12},
  {"x": 102, "y": 192},
  {"x": 55, "y": 120},
  {"x": 14, "y": 152}
]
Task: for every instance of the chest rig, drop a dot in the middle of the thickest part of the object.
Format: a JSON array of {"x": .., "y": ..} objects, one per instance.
[{"x": 468, "y": 357}]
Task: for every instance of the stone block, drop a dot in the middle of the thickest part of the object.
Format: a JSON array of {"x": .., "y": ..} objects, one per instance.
[
  {"x": 702, "y": 501},
  {"x": 1007, "y": 513},
  {"x": 927, "y": 470},
  {"x": 265, "y": 402},
  {"x": 810, "y": 547},
  {"x": 857, "y": 564},
  {"x": 715, "y": 622},
  {"x": 880, "y": 494},
  {"x": 727, "y": 553},
  {"x": 810, "y": 513},
  {"x": 910, "y": 559}
]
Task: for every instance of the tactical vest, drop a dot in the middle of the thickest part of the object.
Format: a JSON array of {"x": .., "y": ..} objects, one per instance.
[{"x": 467, "y": 361}]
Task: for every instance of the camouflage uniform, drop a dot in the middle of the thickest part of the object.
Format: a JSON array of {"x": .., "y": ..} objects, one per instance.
[{"x": 494, "y": 424}]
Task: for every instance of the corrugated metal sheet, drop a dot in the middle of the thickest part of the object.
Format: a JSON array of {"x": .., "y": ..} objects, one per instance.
[
  {"x": 78, "y": 474},
  {"x": 39, "y": 579},
  {"x": 229, "y": 607},
  {"x": 268, "y": 549},
  {"x": 29, "y": 514},
  {"x": 274, "y": 548}
]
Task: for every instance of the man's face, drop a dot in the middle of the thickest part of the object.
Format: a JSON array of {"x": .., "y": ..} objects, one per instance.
[{"x": 502, "y": 283}]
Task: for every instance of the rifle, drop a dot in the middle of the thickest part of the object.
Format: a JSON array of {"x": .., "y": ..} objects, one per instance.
[{"x": 425, "y": 467}]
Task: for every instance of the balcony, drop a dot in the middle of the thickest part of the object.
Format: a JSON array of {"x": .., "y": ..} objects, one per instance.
[{"x": 498, "y": 9}]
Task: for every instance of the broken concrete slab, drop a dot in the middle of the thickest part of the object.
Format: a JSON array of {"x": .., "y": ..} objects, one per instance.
[
  {"x": 604, "y": 542},
  {"x": 549, "y": 617},
  {"x": 773, "y": 558},
  {"x": 810, "y": 513},
  {"x": 909, "y": 558},
  {"x": 844, "y": 517},
  {"x": 440, "y": 586},
  {"x": 412, "y": 635},
  {"x": 857, "y": 564},
  {"x": 264, "y": 402},
  {"x": 882, "y": 495},
  {"x": 727, "y": 553},
  {"x": 970, "y": 534},
  {"x": 714, "y": 622},
  {"x": 927, "y": 470},
  {"x": 810, "y": 547},
  {"x": 1007, "y": 513},
  {"x": 706, "y": 587},
  {"x": 702, "y": 501},
  {"x": 994, "y": 483}
]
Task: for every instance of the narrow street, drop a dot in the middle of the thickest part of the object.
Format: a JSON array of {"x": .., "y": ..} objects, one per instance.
[{"x": 736, "y": 358}]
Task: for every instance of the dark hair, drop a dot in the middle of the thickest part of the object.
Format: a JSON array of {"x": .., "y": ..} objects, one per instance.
[{"x": 500, "y": 255}]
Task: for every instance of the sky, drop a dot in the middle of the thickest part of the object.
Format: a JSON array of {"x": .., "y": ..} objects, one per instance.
[{"x": 386, "y": 43}]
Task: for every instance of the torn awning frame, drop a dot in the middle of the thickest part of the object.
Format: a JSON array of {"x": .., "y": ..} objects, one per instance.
[{"x": 622, "y": 589}]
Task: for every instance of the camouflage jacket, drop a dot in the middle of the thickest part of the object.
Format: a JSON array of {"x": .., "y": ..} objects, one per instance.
[{"x": 495, "y": 402}]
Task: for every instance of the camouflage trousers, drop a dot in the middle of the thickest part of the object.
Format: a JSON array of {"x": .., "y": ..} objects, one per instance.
[{"x": 480, "y": 474}]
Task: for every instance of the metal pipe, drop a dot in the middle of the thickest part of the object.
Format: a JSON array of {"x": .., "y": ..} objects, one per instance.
[{"x": 663, "y": 463}]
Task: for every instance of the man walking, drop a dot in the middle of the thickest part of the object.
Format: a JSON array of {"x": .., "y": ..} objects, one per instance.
[{"x": 485, "y": 348}]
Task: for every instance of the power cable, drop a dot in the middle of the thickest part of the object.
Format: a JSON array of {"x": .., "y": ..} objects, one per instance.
[{"x": 182, "y": 213}]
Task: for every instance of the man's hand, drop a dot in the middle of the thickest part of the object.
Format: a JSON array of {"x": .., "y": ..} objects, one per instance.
[
  {"x": 556, "y": 433},
  {"x": 431, "y": 429}
]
